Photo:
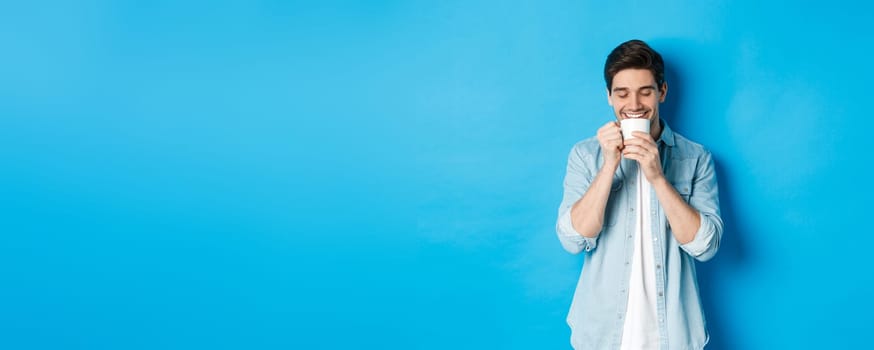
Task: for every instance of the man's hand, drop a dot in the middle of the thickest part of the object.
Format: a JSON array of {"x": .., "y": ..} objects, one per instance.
[
  {"x": 644, "y": 150},
  {"x": 610, "y": 138}
]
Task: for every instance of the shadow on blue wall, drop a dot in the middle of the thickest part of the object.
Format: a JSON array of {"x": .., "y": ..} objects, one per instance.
[{"x": 712, "y": 276}]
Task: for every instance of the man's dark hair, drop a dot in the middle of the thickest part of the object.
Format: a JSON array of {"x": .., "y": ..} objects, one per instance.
[{"x": 634, "y": 54}]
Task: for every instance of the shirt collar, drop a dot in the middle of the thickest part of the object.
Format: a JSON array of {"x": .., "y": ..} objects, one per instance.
[{"x": 667, "y": 134}]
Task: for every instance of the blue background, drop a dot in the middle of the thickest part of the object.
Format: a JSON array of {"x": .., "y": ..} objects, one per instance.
[{"x": 386, "y": 174}]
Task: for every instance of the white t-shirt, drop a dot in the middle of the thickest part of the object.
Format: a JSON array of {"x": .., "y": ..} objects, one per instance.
[{"x": 641, "y": 330}]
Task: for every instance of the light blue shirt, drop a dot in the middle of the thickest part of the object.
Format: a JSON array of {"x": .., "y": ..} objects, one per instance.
[{"x": 597, "y": 312}]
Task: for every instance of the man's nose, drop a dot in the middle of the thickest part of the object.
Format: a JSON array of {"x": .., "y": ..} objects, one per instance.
[{"x": 635, "y": 101}]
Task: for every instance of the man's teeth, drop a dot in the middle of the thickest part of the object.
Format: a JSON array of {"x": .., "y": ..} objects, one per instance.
[{"x": 630, "y": 115}]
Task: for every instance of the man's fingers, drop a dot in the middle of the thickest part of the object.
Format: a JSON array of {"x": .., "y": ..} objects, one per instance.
[
  {"x": 632, "y": 156},
  {"x": 609, "y": 128},
  {"x": 632, "y": 149},
  {"x": 610, "y": 132},
  {"x": 637, "y": 143},
  {"x": 606, "y": 138},
  {"x": 635, "y": 150},
  {"x": 641, "y": 143},
  {"x": 644, "y": 137}
]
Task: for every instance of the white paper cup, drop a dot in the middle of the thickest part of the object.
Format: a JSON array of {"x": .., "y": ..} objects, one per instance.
[{"x": 631, "y": 125}]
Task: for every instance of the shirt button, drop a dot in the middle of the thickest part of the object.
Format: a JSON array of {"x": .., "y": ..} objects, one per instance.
[
  {"x": 632, "y": 209},
  {"x": 661, "y": 294},
  {"x": 659, "y": 266}
]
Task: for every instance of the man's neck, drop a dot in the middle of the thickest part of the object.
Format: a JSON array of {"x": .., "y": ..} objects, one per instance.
[{"x": 656, "y": 129}]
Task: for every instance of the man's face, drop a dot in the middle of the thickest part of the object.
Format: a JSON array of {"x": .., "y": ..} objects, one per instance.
[{"x": 635, "y": 95}]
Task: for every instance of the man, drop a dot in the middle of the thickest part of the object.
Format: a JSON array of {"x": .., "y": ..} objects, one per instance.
[{"x": 643, "y": 209}]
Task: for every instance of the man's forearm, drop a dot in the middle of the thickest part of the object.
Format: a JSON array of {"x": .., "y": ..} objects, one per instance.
[
  {"x": 587, "y": 214},
  {"x": 684, "y": 219}
]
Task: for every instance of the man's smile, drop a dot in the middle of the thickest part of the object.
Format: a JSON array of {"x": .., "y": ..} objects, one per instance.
[{"x": 634, "y": 115}]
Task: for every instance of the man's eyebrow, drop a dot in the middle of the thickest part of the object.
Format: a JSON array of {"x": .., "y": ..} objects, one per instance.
[{"x": 618, "y": 89}]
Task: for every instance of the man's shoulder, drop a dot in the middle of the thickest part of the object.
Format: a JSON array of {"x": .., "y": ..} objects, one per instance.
[
  {"x": 585, "y": 153},
  {"x": 687, "y": 148},
  {"x": 587, "y": 146}
]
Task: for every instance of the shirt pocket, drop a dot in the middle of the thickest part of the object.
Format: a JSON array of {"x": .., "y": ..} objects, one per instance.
[
  {"x": 612, "y": 209},
  {"x": 684, "y": 188}
]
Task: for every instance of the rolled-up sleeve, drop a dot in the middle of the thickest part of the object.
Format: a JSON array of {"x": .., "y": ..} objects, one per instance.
[
  {"x": 577, "y": 180},
  {"x": 705, "y": 199},
  {"x": 571, "y": 240}
]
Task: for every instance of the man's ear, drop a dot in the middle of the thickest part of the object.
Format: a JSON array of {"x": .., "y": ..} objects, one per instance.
[{"x": 663, "y": 92}]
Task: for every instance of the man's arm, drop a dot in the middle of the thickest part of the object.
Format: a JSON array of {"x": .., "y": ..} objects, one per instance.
[
  {"x": 684, "y": 219},
  {"x": 705, "y": 199},
  {"x": 587, "y": 214},
  {"x": 581, "y": 215},
  {"x": 697, "y": 226}
]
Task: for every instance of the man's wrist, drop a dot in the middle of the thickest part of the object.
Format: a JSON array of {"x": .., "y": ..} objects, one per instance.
[
  {"x": 610, "y": 166},
  {"x": 660, "y": 181}
]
